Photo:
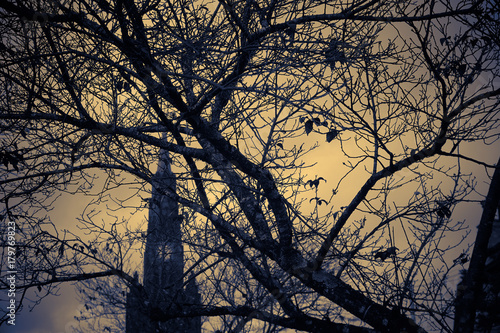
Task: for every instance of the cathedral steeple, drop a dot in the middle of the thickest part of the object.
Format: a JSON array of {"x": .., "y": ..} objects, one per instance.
[{"x": 163, "y": 263}]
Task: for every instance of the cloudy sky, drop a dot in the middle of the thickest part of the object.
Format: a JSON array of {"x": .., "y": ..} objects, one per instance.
[{"x": 56, "y": 313}]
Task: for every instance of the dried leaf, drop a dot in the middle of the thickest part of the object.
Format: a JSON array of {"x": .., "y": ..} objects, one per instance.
[
  {"x": 308, "y": 126},
  {"x": 331, "y": 135},
  {"x": 61, "y": 250},
  {"x": 443, "y": 40},
  {"x": 461, "y": 69}
]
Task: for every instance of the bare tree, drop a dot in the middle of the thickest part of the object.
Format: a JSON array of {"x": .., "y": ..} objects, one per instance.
[{"x": 236, "y": 93}]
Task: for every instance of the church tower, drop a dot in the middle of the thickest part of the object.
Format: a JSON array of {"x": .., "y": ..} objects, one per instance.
[{"x": 163, "y": 264}]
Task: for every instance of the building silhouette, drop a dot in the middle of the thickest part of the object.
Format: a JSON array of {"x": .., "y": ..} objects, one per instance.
[{"x": 163, "y": 291}]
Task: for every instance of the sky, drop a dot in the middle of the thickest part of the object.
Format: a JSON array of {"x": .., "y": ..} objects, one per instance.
[{"x": 56, "y": 313}]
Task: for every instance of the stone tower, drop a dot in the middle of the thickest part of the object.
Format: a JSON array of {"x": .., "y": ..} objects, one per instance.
[{"x": 163, "y": 264}]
